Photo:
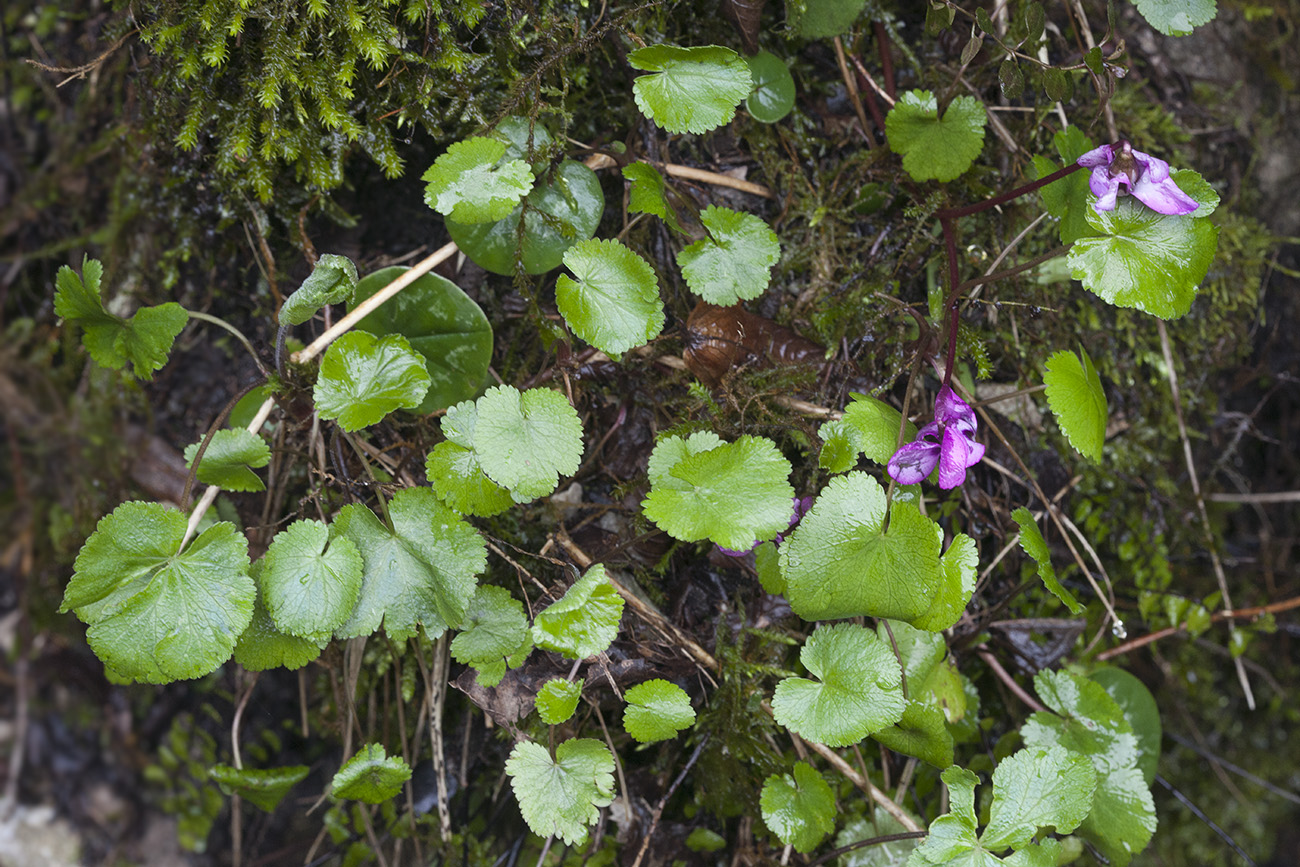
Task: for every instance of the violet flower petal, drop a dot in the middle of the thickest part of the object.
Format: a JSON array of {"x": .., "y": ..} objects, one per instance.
[
  {"x": 913, "y": 462},
  {"x": 1102, "y": 156},
  {"x": 1165, "y": 197},
  {"x": 949, "y": 409},
  {"x": 958, "y": 452}
]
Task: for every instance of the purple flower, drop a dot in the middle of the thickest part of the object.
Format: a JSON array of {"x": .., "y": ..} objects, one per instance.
[
  {"x": 948, "y": 441},
  {"x": 1142, "y": 176},
  {"x": 801, "y": 507}
]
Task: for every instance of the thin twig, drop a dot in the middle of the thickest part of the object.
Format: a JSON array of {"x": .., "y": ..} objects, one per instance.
[
  {"x": 1266, "y": 497},
  {"x": 659, "y": 808},
  {"x": 1003, "y": 675},
  {"x": 854, "y": 97},
  {"x": 1217, "y": 617}
]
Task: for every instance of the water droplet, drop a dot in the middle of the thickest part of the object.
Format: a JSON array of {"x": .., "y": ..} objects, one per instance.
[{"x": 1118, "y": 630}]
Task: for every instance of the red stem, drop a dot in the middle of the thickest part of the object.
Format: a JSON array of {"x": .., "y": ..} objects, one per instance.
[{"x": 886, "y": 60}]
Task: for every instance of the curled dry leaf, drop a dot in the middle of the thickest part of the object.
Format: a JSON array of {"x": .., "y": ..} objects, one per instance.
[{"x": 720, "y": 338}]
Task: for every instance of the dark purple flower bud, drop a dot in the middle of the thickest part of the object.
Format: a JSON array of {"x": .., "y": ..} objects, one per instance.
[{"x": 1118, "y": 169}]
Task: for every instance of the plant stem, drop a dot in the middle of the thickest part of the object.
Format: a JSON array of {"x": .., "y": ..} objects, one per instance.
[{"x": 239, "y": 335}]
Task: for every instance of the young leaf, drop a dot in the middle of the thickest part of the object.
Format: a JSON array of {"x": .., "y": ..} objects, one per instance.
[
  {"x": 691, "y": 89},
  {"x": 1032, "y": 541},
  {"x": 370, "y": 776},
  {"x": 1038, "y": 788},
  {"x": 734, "y": 494},
  {"x": 1144, "y": 259},
  {"x": 935, "y": 148},
  {"x": 157, "y": 613},
  {"x": 799, "y": 809},
  {"x": 614, "y": 303},
  {"x": 735, "y": 262},
  {"x": 557, "y": 700},
  {"x": 145, "y": 340},
  {"x": 584, "y": 621},
  {"x": 840, "y": 563},
  {"x": 263, "y": 788},
  {"x": 443, "y": 324},
  {"x": 874, "y": 425},
  {"x": 495, "y": 634},
  {"x": 562, "y": 797},
  {"x": 646, "y": 193},
  {"x": 363, "y": 378},
  {"x": 309, "y": 581},
  {"x": 455, "y": 475},
  {"x": 525, "y": 442},
  {"x": 1075, "y": 395},
  {"x": 561, "y": 212},
  {"x": 471, "y": 184},
  {"x": 656, "y": 711},
  {"x": 1122, "y": 819},
  {"x": 921, "y": 732},
  {"x": 332, "y": 281},
  {"x": 1176, "y": 17},
  {"x": 229, "y": 460},
  {"x": 773, "y": 95},
  {"x": 420, "y": 571},
  {"x": 859, "y": 691},
  {"x": 840, "y": 446}
]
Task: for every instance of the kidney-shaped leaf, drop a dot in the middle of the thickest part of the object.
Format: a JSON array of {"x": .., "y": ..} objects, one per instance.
[
  {"x": 421, "y": 571},
  {"x": 690, "y": 89},
  {"x": 230, "y": 458},
  {"x": 773, "y": 94},
  {"x": 657, "y": 710},
  {"x": 309, "y": 581},
  {"x": 799, "y": 809},
  {"x": 363, "y": 378},
  {"x": 584, "y": 621},
  {"x": 858, "y": 690},
  {"x": 935, "y": 148},
  {"x": 1075, "y": 395},
  {"x": 371, "y": 776},
  {"x": 525, "y": 442},
  {"x": 157, "y": 613},
  {"x": 495, "y": 634},
  {"x": 471, "y": 183},
  {"x": 614, "y": 303},
  {"x": 735, "y": 261},
  {"x": 1176, "y": 17},
  {"x": 442, "y": 324},
  {"x": 558, "y": 699},
  {"x": 562, "y": 797}
]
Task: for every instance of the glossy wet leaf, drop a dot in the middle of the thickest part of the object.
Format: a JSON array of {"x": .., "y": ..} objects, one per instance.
[
  {"x": 155, "y": 613},
  {"x": 371, "y": 776},
  {"x": 735, "y": 262},
  {"x": 584, "y": 621},
  {"x": 822, "y": 19},
  {"x": 472, "y": 183},
  {"x": 455, "y": 475},
  {"x": 798, "y": 808},
  {"x": 646, "y": 193},
  {"x": 494, "y": 634},
  {"x": 1176, "y": 17},
  {"x": 689, "y": 89},
  {"x": 557, "y": 700},
  {"x": 858, "y": 688},
  {"x": 1033, "y": 543},
  {"x": 562, "y": 797},
  {"x": 1140, "y": 711},
  {"x": 262, "y": 646},
  {"x": 773, "y": 94},
  {"x": 657, "y": 710},
  {"x": 332, "y": 281},
  {"x": 1143, "y": 259},
  {"x": 1038, "y": 787},
  {"x": 935, "y": 148},
  {"x": 953, "y": 835},
  {"x": 1195, "y": 186},
  {"x": 229, "y": 460},
  {"x": 921, "y": 732},
  {"x": 564, "y": 208},
  {"x": 421, "y": 571},
  {"x": 733, "y": 494},
  {"x": 875, "y": 425},
  {"x": 613, "y": 303},
  {"x": 143, "y": 340},
  {"x": 310, "y": 582},
  {"x": 525, "y": 441},
  {"x": 442, "y": 324},
  {"x": 1067, "y": 199},
  {"x": 840, "y": 563},
  {"x": 1077, "y": 400},
  {"x": 264, "y": 788},
  {"x": 363, "y": 378}
]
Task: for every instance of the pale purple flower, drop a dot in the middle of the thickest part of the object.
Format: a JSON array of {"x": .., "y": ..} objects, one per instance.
[
  {"x": 1141, "y": 175},
  {"x": 801, "y": 507},
  {"x": 947, "y": 442}
]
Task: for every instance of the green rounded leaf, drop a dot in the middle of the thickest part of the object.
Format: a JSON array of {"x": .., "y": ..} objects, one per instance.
[
  {"x": 773, "y": 95},
  {"x": 332, "y": 280},
  {"x": 822, "y": 19},
  {"x": 370, "y": 776},
  {"x": 1033, "y": 543},
  {"x": 421, "y": 571},
  {"x": 921, "y": 732},
  {"x": 733, "y": 494},
  {"x": 584, "y": 621},
  {"x": 1143, "y": 259},
  {"x": 614, "y": 303},
  {"x": 455, "y": 475},
  {"x": 657, "y": 710},
  {"x": 872, "y": 427},
  {"x": 935, "y": 148},
  {"x": 442, "y": 324},
  {"x": 1191, "y": 183},
  {"x": 229, "y": 460},
  {"x": 525, "y": 442},
  {"x": 495, "y": 634},
  {"x": 858, "y": 690},
  {"x": 263, "y": 788},
  {"x": 1140, "y": 711},
  {"x": 471, "y": 183},
  {"x": 557, "y": 700},
  {"x": 691, "y": 89},
  {"x": 1176, "y": 17},
  {"x": 363, "y": 378},
  {"x": 799, "y": 809},
  {"x": 1076, "y": 397},
  {"x": 1038, "y": 787},
  {"x": 262, "y": 646},
  {"x": 156, "y": 613},
  {"x": 735, "y": 262},
  {"x": 562, "y": 797},
  {"x": 563, "y": 210},
  {"x": 310, "y": 582}
]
